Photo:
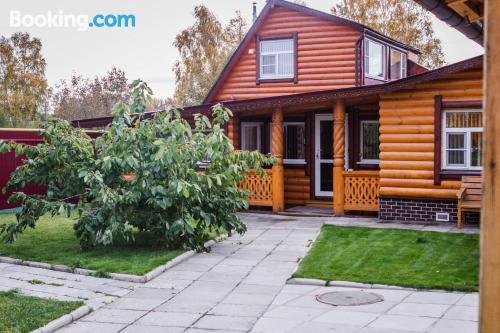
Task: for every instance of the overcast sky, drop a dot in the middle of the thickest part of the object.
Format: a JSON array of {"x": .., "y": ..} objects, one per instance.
[{"x": 146, "y": 51}]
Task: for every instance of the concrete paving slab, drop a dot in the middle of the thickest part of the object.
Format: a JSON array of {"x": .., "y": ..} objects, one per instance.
[
  {"x": 294, "y": 313},
  {"x": 461, "y": 312},
  {"x": 115, "y": 316},
  {"x": 213, "y": 322},
  {"x": 136, "y": 328},
  {"x": 177, "y": 319},
  {"x": 397, "y": 322},
  {"x": 431, "y": 297},
  {"x": 347, "y": 317},
  {"x": 91, "y": 327},
  {"x": 419, "y": 310}
]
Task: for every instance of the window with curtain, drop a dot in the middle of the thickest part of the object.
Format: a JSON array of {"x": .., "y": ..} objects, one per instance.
[
  {"x": 369, "y": 141},
  {"x": 462, "y": 137},
  {"x": 398, "y": 65},
  {"x": 374, "y": 59},
  {"x": 277, "y": 59},
  {"x": 295, "y": 144},
  {"x": 251, "y": 136}
]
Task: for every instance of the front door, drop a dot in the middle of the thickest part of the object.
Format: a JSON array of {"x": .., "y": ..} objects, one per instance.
[{"x": 323, "y": 144}]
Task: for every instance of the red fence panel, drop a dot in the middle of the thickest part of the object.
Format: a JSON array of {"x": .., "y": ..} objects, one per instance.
[{"x": 9, "y": 162}]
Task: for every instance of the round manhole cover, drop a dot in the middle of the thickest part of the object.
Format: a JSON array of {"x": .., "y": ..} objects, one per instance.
[{"x": 349, "y": 298}]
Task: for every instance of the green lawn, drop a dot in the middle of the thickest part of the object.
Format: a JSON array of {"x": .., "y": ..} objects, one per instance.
[
  {"x": 24, "y": 314},
  {"x": 54, "y": 241},
  {"x": 395, "y": 257}
]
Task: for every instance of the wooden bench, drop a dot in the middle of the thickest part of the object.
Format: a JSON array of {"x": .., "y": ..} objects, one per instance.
[{"x": 469, "y": 196}]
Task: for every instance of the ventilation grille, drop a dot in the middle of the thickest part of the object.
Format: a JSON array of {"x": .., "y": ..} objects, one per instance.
[{"x": 443, "y": 217}]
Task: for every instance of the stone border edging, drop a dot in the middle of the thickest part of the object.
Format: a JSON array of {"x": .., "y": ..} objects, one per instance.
[
  {"x": 349, "y": 284},
  {"x": 64, "y": 320},
  {"x": 115, "y": 276}
]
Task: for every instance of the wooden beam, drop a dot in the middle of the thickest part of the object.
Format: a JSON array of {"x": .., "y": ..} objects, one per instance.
[
  {"x": 338, "y": 156},
  {"x": 467, "y": 8},
  {"x": 490, "y": 214},
  {"x": 277, "y": 149}
]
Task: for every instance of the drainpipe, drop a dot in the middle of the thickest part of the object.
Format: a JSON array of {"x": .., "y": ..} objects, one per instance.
[
  {"x": 473, "y": 31},
  {"x": 254, "y": 11},
  {"x": 357, "y": 61}
]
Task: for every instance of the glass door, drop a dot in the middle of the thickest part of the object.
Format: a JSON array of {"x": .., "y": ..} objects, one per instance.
[{"x": 323, "y": 155}]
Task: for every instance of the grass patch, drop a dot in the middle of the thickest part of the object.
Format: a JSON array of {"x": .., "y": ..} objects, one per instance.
[
  {"x": 420, "y": 259},
  {"x": 53, "y": 241},
  {"x": 19, "y": 314}
]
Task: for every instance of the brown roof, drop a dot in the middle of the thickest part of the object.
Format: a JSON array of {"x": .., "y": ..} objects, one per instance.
[
  {"x": 464, "y": 16},
  {"x": 316, "y": 97},
  {"x": 306, "y": 10}
]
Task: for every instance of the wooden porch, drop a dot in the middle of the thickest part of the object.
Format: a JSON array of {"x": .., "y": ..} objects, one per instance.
[
  {"x": 330, "y": 169},
  {"x": 360, "y": 191}
]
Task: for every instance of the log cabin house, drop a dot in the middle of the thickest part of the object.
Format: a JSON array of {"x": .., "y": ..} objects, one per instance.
[{"x": 355, "y": 122}]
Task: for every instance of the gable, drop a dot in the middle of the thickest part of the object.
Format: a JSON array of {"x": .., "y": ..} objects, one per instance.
[{"x": 325, "y": 57}]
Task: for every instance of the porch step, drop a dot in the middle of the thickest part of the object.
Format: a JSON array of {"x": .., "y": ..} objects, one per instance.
[
  {"x": 319, "y": 203},
  {"x": 303, "y": 214}
]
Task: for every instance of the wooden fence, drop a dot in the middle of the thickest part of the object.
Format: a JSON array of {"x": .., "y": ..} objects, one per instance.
[
  {"x": 260, "y": 188},
  {"x": 362, "y": 190}
]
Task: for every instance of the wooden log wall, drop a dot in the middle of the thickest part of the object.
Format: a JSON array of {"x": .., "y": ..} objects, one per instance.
[
  {"x": 325, "y": 57},
  {"x": 297, "y": 186},
  {"x": 233, "y": 132},
  {"x": 407, "y": 136}
]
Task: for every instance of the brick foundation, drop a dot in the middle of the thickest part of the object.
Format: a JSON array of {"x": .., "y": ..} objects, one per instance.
[{"x": 400, "y": 209}]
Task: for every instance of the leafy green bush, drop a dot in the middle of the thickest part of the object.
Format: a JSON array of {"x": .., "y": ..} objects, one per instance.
[
  {"x": 149, "y": 174},
  {"x": 3, "y": 120}
]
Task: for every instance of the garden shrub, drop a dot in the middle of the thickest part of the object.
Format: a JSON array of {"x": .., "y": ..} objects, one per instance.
[{"x": 158, "y": 175}]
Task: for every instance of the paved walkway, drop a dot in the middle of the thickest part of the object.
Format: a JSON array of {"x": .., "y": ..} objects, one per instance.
[
  {"x": 240, "y": 287},
  {"x": 46, "y": 283},
  {"x": 295, "y": 310}
]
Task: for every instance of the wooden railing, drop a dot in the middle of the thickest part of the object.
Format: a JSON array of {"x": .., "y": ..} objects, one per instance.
[
  {"x": 362, "y": 190},
  {"x": 260, "y": 188}
]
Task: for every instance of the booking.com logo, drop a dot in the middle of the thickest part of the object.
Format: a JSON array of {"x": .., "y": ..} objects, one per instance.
[{"x": 81, "y": 22}]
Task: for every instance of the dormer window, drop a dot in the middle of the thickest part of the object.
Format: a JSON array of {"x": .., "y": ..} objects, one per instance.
[
  {"x": 374, "y": 59},
  {"x": 383, "y": 61},
  {"x": 277, "y": 58},
  {"x": 398, "y": 65}
]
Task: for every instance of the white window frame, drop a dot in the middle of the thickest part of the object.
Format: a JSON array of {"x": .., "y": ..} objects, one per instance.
[
  {"x": 458, "y": 130},
  {"x": 291, "y": 161},
  {"x": 367, "y": 60},
  {"x": 404, "y": 71},
  {"x": 361, "y": 159},
  {"x": 276, "y": 75},
  {"x": 247, "y": 124}
]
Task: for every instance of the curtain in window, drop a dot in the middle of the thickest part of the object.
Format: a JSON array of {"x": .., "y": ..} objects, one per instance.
[
  {"x": 456, "y": 148},
  {"x": 275, "y": 46},
  {"x": 251, "y": 138},
  {"x": 464, "y": 119},
  {"x": 370, "y": 144},
  {"x": 294, "y": 142},
  {"x": 476, "y": 148},
  {"x": 463, "y": 132},
  {"x": 277, "y": 58},
  {"x": 286, "y": 63}
]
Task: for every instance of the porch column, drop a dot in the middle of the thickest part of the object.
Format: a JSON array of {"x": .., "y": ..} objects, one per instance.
[
  {"x": 490, "y": 212},
  {"x": 277, "y": 148},
  {"x": 338, "y": 156}
]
